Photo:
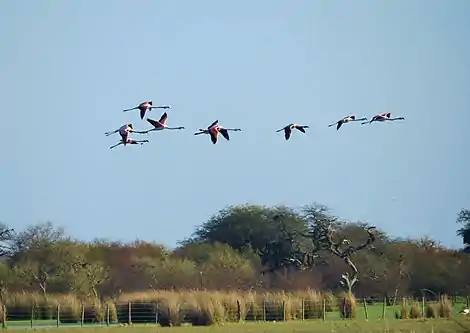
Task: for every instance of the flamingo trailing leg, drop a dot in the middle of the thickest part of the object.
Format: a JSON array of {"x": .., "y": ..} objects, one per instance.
[{"x": 129, "y": 141}]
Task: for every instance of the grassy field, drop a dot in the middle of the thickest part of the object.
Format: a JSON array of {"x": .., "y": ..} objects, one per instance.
[
  {"x": 332, "y": 323},
  {"x": 374, "y": 312},
  {"x": 350, "y": 326}
]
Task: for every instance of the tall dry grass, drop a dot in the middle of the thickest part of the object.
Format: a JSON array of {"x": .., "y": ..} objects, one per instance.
[
  {"x": 431, "y": 311},
  {"x": 205, "y": 308},
  {"x": 67, "y": 308},
  {"x": 348, "y": 305},
  {"x": 445, "y": 307},
  {"x": 415, "y": 310},
  {"x": 172, "y": 308}
]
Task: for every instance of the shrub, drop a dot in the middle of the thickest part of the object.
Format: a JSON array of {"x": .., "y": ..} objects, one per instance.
[
  {"x": 415, "y": 311},
  {"x": 70, "y": 309},
  {"x": 445, "y": 307},
  {"x": 404, "y": 310},
  {"x": 23, "y": 306},
  {"x": 431, "y": 311},
  {"x": 313, "y": 304},
  {"x": 347, "y": 305}
]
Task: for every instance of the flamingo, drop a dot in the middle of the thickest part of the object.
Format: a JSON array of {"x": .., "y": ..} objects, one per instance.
[
  {"x": 160, "y": 124},
  {"x": 345, "y": 120},
  {"x": 383, "y": 117},
  {"x": 129, "y": 141},
  {"x": 146, "y": 106},
  {"x": 124, "y": 132},
  {"x": 288, "y": 129},
  {"x": 214, "y": 129}
]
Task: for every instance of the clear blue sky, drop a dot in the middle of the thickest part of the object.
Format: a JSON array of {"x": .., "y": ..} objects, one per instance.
[{"x": 68, "y": 68}]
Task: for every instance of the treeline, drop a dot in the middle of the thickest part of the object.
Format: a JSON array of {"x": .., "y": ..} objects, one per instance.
[{"x": 240, "y": 248}]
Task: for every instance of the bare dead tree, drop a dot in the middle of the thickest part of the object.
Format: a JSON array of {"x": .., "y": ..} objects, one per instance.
[
  {"x": 285, "y": 252},
  {"x": 38, "y": 274},
  {"x": 334, "y": 247}
]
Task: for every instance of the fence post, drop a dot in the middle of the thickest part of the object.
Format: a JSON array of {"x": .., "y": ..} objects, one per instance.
[
  {"x": 302, "y": 308},
  {"x": 156, "y": 313},
  {"x": 423, "y": 304},
  {"x": 284, "y": 310},
  {"x": 264, "y": 310},
  {"x": 32, "y": 315},
  {"x": 366, "y": 313},
  {"x": 324, "y": 309},
  {"x": 4, "y": 316},
  {"x": 107, "y": 314},
  {"x": 384, "y": 307},
  {"x": 130, "y": 313},
  {"x": 468, "y": 301},
  {"x": 82, "y": 316},
  {"x": 58, "y": 314},
  {"x": 239, "y": 311}
]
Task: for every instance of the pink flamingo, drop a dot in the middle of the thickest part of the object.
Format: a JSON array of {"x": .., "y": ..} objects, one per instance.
[
  {"x": 160, "y": 124},
  {"x": 214, "y": 129},
  {"x": 346, "y": 120},
  {"x": 124, "y": 132},
  {"x": 383, "y": 117},
  {"x": 288, "y": 129},
  {"x": 144, "y": 107}
]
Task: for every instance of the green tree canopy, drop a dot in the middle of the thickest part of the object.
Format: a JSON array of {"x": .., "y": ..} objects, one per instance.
[
  {"x": 463, "y": 218},
  {"x": 293, "y": 247}
]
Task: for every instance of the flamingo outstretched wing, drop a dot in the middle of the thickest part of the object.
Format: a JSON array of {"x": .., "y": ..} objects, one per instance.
[
  {"x": 142, "y": 112},
  {"x": 213, "y": 124},
  {"x": 163, "y": 118},
  {"x": 155, "y": 123},
  {"x": 287, "y": 133},
  {"x": 224, "y": 133},
  {"x": 301, "y": 129}
]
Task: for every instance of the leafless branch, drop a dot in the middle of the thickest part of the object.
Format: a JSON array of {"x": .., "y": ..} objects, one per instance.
[
  {"x": 345, "y": 254},
  {"x": 6, "y": 236}
]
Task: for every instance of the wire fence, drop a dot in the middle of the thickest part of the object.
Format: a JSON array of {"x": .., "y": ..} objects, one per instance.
[{"x": 172, "y": 314}]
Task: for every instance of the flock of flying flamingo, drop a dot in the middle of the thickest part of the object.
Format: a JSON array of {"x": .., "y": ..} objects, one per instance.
[{"x": 215, "y": 128}]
